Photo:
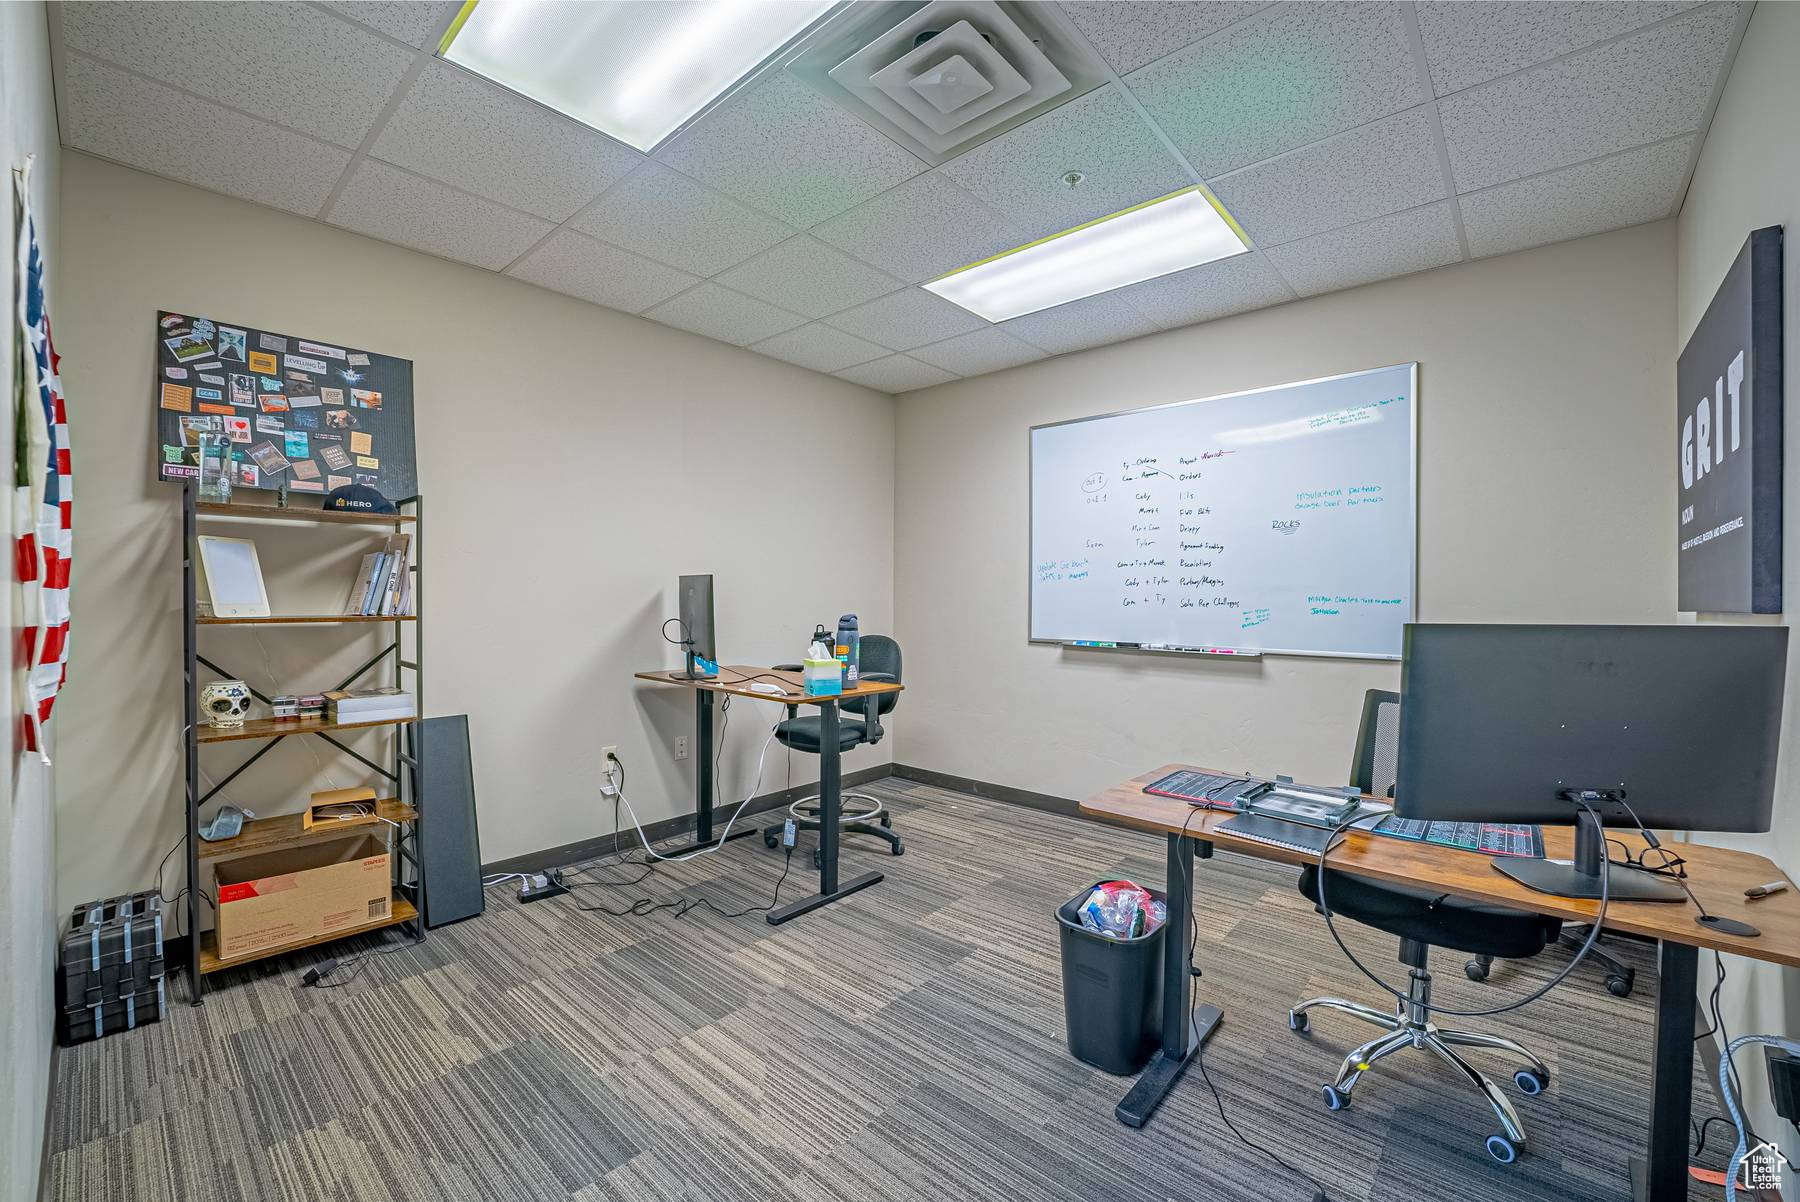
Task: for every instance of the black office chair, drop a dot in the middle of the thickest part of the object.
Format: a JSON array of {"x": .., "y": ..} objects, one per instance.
[
  {"x": 860, "y": 813},
  {"x": 1423, "y": 920}
]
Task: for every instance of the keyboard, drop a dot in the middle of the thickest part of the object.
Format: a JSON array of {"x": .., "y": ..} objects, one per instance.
[
  {"x": 1199, "y": 788},
  {"x": 1488, "y": 838}
]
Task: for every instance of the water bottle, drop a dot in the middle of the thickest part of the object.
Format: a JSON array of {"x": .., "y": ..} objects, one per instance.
[{"x": 848, "y": 649}]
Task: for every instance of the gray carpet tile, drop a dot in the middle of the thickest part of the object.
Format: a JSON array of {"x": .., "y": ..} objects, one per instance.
[{"x": 907, "y": 1044}]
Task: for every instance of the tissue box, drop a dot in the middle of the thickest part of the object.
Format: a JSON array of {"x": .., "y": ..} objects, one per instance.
[{"x": 823, "y": 678}]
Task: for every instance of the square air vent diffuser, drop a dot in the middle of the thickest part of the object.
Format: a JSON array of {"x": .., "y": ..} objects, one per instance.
[{"x": 941, "y": 77}]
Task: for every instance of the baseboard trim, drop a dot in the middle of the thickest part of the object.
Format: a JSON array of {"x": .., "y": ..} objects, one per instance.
[
  {"x": 43, "y": 1185},
  {"x": 681, "y": 824},
  {"x": 993, "y": 792}
]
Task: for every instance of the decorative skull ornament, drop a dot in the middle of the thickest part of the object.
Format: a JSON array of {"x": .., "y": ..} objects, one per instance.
[{"x": 225, "y": 702}]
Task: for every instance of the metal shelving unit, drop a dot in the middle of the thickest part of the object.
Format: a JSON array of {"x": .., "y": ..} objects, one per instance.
[{"x": 403, "y": 655}]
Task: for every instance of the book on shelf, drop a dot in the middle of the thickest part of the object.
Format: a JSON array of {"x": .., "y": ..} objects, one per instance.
[
  {"x": 370, "y": 705},
  {"x": 383, "y": 585}
]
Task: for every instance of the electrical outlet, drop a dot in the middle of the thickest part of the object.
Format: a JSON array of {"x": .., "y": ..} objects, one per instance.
[
  {"x": 1784, "y": 1083},
  {"x": 681, "y": 747},
  {"x": 606, "y": 756}
]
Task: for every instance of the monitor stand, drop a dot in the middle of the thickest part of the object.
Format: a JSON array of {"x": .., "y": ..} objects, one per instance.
[
  {"x": 1581, "y": 878},
  {"x": 691, "y": 673}
]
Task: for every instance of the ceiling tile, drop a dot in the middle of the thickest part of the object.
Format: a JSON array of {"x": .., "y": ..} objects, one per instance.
[
  {"x": 1020, "y": 173},
  {"x": 462, "y": 130},
  {"x": 723, "y": 314},
  {"x": 1642, "y": 88},
  {"x": 396, "y": 206},
  {"x": 129, "y": 119},
  {"x": 974, "y": 354},
  {"x": 577, "y": 265},
  {"x": 1209, "y": 291},
  {"x": 922, "y": 229},
  {"x": 1381, "y": 168},
  {"x": 784, "y": 149},
  {"x": 819, "y": 347},
  {"x": 415, "y": 22},
  {"x": 1467, "y": 43},
  {"x": 1626, "y": 189},
  {"x": 1130, "y": 35},
  {"x": 288, "y": 63},
  {"x": 666, "y": 215},
  {"x": 1080, "y": 324},
  {"x": 1377, "y": 250},
  {"x": 1287, "y": 77},
  {"x": 905, "y": 319},
  {"x": 806, "y": 276},
  {"x": 896, "y": 373}
]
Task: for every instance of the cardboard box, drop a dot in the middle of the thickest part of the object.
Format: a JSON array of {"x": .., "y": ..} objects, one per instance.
[
  {"x": 301, "y": 894},
  {"x": 344, "y": 807}
]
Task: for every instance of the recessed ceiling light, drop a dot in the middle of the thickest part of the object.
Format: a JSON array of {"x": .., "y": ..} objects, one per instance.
[
  {"x": 633, "y": 70},
  {"x": 1181, "y": 230}
]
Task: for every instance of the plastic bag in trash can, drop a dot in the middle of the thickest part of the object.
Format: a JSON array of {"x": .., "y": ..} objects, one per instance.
[{"x": 1122, "y": 910}]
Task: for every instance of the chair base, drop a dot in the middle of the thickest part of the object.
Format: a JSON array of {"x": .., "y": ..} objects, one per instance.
[
  {"x": 1410, "y": 1026},
  {"x": 872, "y": 819},
  {"x": 1620, "y": 976}
]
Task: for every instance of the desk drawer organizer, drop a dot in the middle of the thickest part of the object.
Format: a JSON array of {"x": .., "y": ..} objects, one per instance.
[{"x": 111, "y": 973}]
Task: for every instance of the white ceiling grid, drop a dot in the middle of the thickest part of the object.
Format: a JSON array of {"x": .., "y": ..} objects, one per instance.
[{"x": 1352, "y": 141}]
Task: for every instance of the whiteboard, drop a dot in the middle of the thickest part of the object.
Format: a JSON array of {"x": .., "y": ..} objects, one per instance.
[{"x": 1281, "y": 520}]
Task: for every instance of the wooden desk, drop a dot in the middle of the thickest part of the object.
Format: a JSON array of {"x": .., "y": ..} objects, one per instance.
[
  {"x": 735, "y": 680},
  {"x": 1717, "y": 876}
]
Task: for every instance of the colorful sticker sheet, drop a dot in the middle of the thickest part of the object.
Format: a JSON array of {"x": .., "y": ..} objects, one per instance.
[{"x": 301, "y": 414}]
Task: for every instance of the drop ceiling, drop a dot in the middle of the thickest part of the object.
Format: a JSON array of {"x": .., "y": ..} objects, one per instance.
[{"x": 1352, "y": 141}]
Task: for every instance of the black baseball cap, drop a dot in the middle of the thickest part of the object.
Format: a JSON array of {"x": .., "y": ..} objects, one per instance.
[{"x": 358, "y": 498}]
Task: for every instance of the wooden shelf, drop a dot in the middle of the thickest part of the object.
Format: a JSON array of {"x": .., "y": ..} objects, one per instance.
[
  {"x": 270, "y": 513},
  {"x": 403, "y": 911},
  {"x": 297, "y": 620},
  {"x": 284, "y": 830},
  {"x": 278, "y": 728}
]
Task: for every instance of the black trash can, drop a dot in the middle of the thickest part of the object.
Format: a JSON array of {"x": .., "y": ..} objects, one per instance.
[{"x": 1112, "y": 991}]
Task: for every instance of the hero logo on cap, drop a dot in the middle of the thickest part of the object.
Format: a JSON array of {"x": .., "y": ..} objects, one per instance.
[{"x": 358, "y": 498}]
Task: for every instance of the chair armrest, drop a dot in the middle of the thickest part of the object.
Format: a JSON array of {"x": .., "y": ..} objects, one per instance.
[{"x": 872, "y": 705}]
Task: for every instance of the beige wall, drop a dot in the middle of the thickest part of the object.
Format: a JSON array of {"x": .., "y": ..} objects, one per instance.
[
  {"x": 574, "y": 460},
  {"x": 1749, "y": 177},
  {"x": 1544, "y": 422},
  {"x": 28, "y": 923}
]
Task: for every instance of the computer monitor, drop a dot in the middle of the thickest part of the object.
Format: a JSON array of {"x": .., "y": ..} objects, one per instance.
[
  {"x": 1502, "y": 723},
  {"x": 697, "y": 625}
]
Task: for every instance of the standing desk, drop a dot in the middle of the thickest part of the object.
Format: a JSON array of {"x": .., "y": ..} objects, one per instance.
[
  {"x": 734, "y": 681},
  {"x": 1718, "y": 876}
]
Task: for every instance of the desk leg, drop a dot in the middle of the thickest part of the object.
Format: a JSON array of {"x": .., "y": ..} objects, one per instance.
[
  {"x": 830, "y": 801},
  {"x": 1184, "y": 1027},
  {"x": 1663, "y": 1176},
  {"x": 703, "y": 783}
]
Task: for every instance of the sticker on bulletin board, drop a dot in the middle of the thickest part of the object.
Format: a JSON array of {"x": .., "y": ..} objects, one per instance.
[{"x": 379, "y": 412}]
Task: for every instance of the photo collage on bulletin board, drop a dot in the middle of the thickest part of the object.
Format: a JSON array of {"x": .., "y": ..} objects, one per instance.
[{"x": 310, "y": 416}]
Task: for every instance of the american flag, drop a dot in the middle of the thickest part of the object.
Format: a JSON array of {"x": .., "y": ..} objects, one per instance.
[{"x": 43, "y": 513}]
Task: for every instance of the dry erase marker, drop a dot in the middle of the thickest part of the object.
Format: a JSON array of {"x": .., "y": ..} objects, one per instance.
[{"x": 1756, "y": 891}]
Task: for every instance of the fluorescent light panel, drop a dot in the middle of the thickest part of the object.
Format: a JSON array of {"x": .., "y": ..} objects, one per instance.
[
  {"x": 1176, "y": 232},
  {"x": 633, "y": 70}
]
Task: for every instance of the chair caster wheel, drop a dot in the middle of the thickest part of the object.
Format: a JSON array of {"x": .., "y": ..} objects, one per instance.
[
  {"x": 1475, "y": 970},
  {"x": 770, "y": 839},
  {"x": 1619, "y": 986},
  {"x": 899, "y": 848},
  {"x": 1299, "y": 1022},
  {"x": 1502, "y": 1149},
  {"x": 1530, "y": 1082},
  {"x": 1335, "y": 1098},
  {"x": 887, "y": 821}
]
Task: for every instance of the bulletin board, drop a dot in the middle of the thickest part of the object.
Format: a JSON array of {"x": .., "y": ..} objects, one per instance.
[{"x": 310, "y": 416}]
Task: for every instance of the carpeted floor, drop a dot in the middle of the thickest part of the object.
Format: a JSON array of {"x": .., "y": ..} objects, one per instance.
[{"x": 906, "y": 1044}]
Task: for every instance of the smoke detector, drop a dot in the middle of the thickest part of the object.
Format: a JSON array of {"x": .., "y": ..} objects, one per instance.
[{"x": 946, "y": 75}]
